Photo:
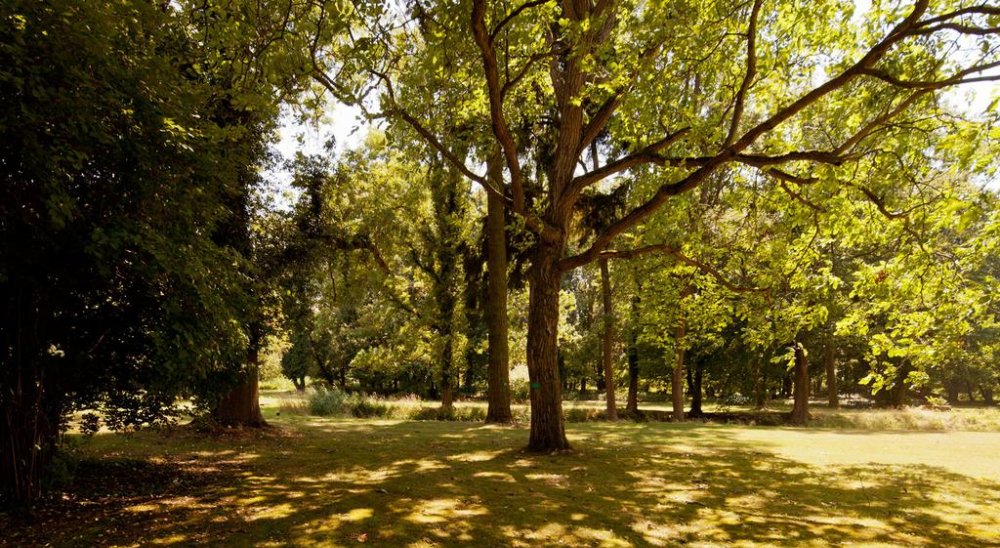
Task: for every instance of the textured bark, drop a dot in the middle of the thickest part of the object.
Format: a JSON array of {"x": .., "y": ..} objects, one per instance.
[
  {"x": 608, "y": 342},
  {"x": 677, "y": 381},
  {"x": 832, "y": 393},
  {"x": 547, "y": 429},
  {"x": 241, "y": 406},
  {"x": 498, "y": 367},
  {"x": 800, "y": 405}
]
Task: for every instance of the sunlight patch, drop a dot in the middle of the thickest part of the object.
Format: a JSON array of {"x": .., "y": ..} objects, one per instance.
[{"x": 444, "y": 510}]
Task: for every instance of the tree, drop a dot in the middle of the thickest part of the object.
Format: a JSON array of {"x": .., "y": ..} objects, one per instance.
[
  {"x": 630, "y": 70},
  {"x": 117, "y": 176}
]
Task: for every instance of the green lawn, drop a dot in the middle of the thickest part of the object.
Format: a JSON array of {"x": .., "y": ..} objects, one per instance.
[{"x": 322, "y": 482}]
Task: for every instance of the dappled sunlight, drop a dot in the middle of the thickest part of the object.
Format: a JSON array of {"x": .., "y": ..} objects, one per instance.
[{"x": 390, "y": 483}]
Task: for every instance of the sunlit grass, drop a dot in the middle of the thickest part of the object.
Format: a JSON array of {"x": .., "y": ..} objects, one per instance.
[{"x": 329, "y": 482}]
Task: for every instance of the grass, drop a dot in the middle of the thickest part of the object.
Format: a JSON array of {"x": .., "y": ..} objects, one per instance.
[{"x": 337, "y": 482}]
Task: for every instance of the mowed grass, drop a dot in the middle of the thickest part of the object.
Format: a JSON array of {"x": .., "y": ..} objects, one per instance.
[{"x": 342, "y": 482}]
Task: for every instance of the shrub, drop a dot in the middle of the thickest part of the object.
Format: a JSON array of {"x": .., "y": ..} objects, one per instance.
[
  {"x": 520, "y": 390},
  {"x": 327, "y": 402},
  {"x": 365, "y": 408}
]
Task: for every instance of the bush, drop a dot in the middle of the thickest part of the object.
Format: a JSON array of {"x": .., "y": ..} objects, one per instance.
[
  {"x": 520, "y": 390},
  {"x": 327, "y": 402},
  {"x": 365, "y": 408}
]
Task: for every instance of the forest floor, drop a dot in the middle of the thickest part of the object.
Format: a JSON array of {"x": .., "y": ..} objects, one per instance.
[{"x": 311, "y": 481}]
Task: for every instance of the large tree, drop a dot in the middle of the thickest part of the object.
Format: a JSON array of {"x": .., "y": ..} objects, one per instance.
[{"x": 694, "y": 90}]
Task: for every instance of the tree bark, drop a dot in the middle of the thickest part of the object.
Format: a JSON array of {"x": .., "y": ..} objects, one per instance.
[
  {"x": 696, "y": 392},
  {"x": 498, "y": 367},
  {"x": 800, "y": 406},
  {"x": 832, "y": 394},
  {"x": 547, "y": 429},
  {"x": 241, "y": 406},
  {"x": 677, "y": 382},
  {"x": 608, "y": 342}
]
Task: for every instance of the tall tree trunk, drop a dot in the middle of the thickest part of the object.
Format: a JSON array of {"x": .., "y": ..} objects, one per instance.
[
  {"x": 241, "y": 406},
  {"x": 447, "y": 375},
  {"x": 632, "y": 406},
  {"x": 547, "y": 430},
  {"x": 800, "y": 406},
  {"x": 677, "y": 381},
  {"x": 498, "y": 368},
  {"x": 829, "y": 356},
  {"x": 696, "y": 391},
  {"x": 608, "y": 342}
]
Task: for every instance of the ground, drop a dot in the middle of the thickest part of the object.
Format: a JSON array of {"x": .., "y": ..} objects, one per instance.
[{"x": 326, "y": 482}]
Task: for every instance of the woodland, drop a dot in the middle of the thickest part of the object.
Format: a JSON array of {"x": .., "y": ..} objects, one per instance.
[{"x": 586, "y": 272}]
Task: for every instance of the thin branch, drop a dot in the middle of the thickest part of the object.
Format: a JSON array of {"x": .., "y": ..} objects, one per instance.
[
  {"x": 517, "y": 11},
  {"x": 677, "y": 253},
  {"x": 751, "y": 72}
]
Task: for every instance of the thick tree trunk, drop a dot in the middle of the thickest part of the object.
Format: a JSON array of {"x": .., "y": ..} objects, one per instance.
[
  {"x": 498, "y": 368},
  {"x": 677, "y": 381},
  {"x": 608, "y": 342},
  {"x": 241, "y": 406},
  {"x": 832, "y": 394},
  {"x": 800, "y": 406},
  {"x": 299, "y": 383},
  {"x": 547, "y": 429}
]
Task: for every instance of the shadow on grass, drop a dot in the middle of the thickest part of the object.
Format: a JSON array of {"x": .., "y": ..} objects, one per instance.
[{"x": 415, "y": 483}]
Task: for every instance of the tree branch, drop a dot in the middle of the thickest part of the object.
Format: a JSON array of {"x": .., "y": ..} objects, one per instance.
[
  {"x": 676, "y": 252},
  {"x": 751, "y": 72}
]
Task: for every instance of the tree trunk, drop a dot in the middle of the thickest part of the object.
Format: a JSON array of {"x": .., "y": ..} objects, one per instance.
[
  {"x": 632, "y": 406},
  {"x": 498, "y": 368},
  {"x": 800, "y": 407},
  {"x": 987, "y": 395},
  {"x": 699, "y": 371},
  {"x": 832, "y": 395},
  {"x": 951, "y": 388},
  {"x": 608, "y": 342},
  {"x": 899, "y": 394},
  {"x": 677, "y": 382},
  {"x": 759, "y": 383},
  {"x": 547, "y": 429},
  {"x": 29, "y": 427},
  {"x": 447, "y": 375},
  {"x": 300, "y": 384},
  {"x": 241, "y": 406}
]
